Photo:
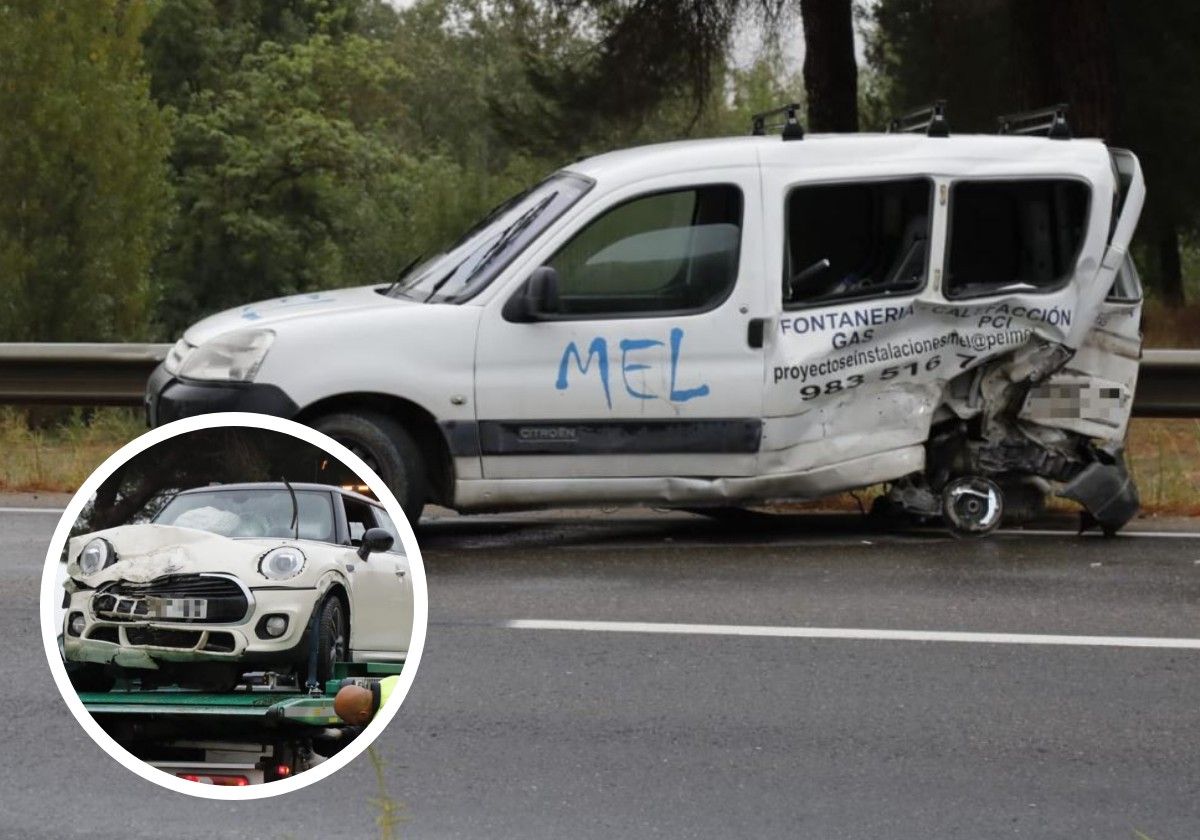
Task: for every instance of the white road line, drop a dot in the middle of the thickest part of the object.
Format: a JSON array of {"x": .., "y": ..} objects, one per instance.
[
  {"x": 55, "y": 511},
  {"x": 1046, "y": 532},
  {"x": 853, "y": 633}
]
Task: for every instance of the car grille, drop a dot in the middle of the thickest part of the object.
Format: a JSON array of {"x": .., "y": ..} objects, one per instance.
[
  {"x": 105, "y": 634},
  {"x": 158, "y": 637},
  {"x": 125, "y": 601}
]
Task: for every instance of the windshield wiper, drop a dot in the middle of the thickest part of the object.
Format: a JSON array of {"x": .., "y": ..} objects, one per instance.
[
  {"x": 514, "y": 230},
  {"x": 404, "y": 272},
  {"x": 503, "y": 241},
  {"x": 295, "y": 525}
]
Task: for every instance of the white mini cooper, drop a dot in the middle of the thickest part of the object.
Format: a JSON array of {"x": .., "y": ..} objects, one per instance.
[{"x": 235, "y": 578}]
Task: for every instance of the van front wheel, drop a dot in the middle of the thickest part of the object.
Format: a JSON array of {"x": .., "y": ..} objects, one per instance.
[{"x": 387, "y": 448}]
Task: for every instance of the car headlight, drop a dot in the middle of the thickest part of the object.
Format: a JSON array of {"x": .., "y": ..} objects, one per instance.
[
  {"x": 234, "y": 357},
  {"x": 96, "y": 555},
  {"x": 175, "y": 357},
  {"x": 281, "y": 563}
]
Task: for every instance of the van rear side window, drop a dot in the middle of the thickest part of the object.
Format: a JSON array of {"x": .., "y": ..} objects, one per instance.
[
  {"x": 1014, "y": 236},
  {"x": 856, "y": 240}
]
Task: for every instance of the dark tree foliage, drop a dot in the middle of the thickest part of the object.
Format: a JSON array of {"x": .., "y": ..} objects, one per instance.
[
  {"x": 85, "y": 198},
  {"x": 224, "y": 455},
  {"x": 925, "y": 50},
  {"x": 1128, "y": 71},
  {"x": 1063, "y": 52},
  {"x": 1158, "y": 83},
  {"x": 646, "y": 51},
  {"x": 191, "y": 45}
]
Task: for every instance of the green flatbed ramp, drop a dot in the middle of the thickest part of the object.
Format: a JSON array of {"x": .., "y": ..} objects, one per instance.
[{"x": 271, "y": 707}]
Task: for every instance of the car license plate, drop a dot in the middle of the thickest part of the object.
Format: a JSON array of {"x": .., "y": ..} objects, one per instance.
[{"x": 182, "y": 608}]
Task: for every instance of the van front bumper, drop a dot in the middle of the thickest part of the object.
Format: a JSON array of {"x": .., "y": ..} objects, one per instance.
[{"x": 171, "y": 398}]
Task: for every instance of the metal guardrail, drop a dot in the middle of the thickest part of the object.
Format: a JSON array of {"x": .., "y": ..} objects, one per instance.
[
  {"x": 115, "y": 374},
  {"x": 1168, "y": 384},
  {"x": 77, "y": 374}
]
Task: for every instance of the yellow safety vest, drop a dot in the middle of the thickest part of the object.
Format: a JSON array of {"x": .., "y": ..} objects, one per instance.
[
  {"x": 385, "y": 690},
  {"x": 381, "y": 691}
]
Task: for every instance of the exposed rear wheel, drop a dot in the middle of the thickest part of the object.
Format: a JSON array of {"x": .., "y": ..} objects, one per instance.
[
  {"x": 388, "y": 449},
  {"x": 972, "y": 505}
]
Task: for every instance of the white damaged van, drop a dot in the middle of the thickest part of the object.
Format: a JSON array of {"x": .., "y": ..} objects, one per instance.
[{"x": 718, "y": 322}]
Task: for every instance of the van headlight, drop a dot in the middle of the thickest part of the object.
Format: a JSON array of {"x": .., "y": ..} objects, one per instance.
[
  {"x": 233, "y": 357},
  {"x": 176, "y": 356},
  {"x": 96, "y": 555},
  {"x": 281, "y": 563}
]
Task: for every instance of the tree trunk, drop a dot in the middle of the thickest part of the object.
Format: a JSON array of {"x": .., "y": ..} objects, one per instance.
[
  {"x": 830, "y": 69},
  {"x": 1170, "y": 270},
  {"x": 1065, "y": 52}
]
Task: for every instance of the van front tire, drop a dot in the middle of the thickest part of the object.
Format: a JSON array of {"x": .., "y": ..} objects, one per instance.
[{"x": 387, "y": 448}]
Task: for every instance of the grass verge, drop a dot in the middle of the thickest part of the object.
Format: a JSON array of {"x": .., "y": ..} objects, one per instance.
[{"x": 59, "y": 454}]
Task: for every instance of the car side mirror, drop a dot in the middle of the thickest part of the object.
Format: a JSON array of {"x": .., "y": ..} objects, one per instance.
[
  {"x": 375, "y": 539},
  {"x": 537, "y": 298}
]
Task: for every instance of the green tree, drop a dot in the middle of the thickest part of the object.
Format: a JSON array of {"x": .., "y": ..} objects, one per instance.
[
  {"x": 85, "y": 193},
  {"x": 646, "y": 59},
  {"x": 283, "y": 175}
]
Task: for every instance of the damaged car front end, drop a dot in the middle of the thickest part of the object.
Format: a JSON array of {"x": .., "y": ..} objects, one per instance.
[{"x": 188, "y": 606}]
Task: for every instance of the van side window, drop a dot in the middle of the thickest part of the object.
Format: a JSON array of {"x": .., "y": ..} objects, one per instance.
[
  {"x": 854, "y": 240},
  {"x": 1012, "y": 236},
  {"x": 667, "y": 252}
]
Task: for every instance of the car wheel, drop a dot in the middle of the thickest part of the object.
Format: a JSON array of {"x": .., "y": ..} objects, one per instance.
[
  {"x": 387, "y": 448},
  {"x": 332, "y": 638}
]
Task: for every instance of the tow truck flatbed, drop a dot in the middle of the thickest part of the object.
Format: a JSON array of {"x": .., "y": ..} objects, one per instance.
[
  {"x": 274, "y": 708},
  {"x": 269, "y": 731}
]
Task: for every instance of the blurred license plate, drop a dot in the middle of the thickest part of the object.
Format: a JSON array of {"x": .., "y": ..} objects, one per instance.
[{"x": 187, "y": 608}]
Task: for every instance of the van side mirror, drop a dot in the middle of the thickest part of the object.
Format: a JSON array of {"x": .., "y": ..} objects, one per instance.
[
  {"x": 375, "y": 539},
  {"x": 537, "y": 298}
]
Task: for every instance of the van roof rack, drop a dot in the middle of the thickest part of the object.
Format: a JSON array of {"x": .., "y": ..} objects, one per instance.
[
  {"x": 792, "y": 130},
  {"x": 930, "y": 121},
  {"x": 1048, "y": 122}
]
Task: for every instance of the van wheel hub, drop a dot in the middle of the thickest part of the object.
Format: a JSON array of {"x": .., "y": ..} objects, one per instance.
[{"x": 972, "y": 505}]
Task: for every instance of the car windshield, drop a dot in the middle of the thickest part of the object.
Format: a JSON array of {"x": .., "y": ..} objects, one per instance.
[
  {"x": 262, "y": 512},
  {"x": 490, "y": 244}
]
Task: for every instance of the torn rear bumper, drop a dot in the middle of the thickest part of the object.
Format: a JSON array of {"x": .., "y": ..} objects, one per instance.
[{"x": 1107, "y": 492}]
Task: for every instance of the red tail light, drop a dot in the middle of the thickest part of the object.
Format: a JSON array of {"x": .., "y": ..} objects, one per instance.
[
  {"x": 283, "y": 771},
  {"x": 224, "y": 781}
]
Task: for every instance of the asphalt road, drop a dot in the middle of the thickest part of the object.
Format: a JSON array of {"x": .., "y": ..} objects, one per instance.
[{"x": 698, "y": 733}]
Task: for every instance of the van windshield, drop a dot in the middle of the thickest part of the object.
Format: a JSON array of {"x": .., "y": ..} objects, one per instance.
[{"x": 492, "y": 243}]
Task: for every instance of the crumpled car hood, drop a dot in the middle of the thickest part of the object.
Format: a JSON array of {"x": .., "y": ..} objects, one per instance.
[{"x": 145, "y": 552}]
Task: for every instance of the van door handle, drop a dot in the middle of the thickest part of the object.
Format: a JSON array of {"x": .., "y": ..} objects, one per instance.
[{"x": 755, "y": 331}]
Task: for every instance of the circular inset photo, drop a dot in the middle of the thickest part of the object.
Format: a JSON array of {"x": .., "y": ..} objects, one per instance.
[{"x": 233, "y": 606}]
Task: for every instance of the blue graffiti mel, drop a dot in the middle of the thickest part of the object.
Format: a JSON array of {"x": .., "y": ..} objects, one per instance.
[
  {"x": 597, "y": 357},
  {"x": 251, "y": 313}
]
